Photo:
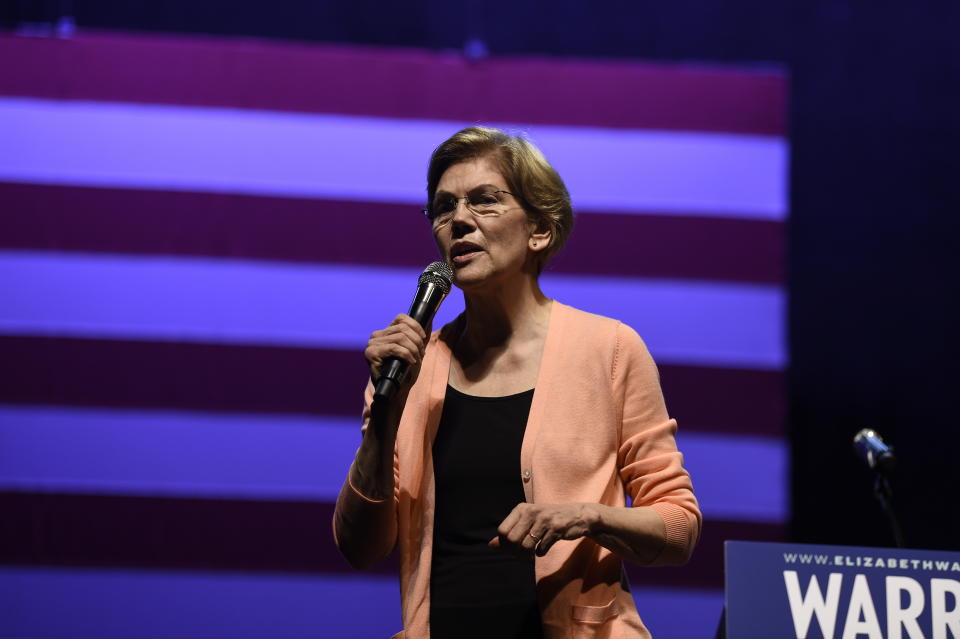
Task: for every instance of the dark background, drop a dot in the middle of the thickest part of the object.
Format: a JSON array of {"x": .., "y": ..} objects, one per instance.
[{"x": 875, "y": 117}]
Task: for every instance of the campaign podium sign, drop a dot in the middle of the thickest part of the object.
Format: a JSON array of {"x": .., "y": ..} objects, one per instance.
[{"x": 801, "y": 591}]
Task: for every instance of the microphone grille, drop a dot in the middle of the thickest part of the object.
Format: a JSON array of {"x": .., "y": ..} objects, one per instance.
[{"x": 438, "y": 273}]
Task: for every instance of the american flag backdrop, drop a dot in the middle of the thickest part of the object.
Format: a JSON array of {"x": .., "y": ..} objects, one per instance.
[{"x": 197, "y": 236}]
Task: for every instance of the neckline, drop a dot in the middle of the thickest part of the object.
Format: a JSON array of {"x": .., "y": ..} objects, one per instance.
[{"x": 485, "y": 398}]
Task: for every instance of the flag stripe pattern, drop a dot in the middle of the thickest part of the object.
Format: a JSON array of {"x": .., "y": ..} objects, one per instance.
[
  {"x": 273, "y": 457},
  {"x": 111, "y": 67},
  {"x": 209, "y": 149},
  {"x": 281, "y": 380},
  {"x": 151, "y": 222},
  {"x": 197, "y": 235},
  {"x": 201, "y": 300}
]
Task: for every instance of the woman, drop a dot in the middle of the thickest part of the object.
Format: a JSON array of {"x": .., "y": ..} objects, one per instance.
[{"x": 500, "y": 468}]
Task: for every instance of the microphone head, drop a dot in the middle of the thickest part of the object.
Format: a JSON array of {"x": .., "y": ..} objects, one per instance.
[
  {"x": 438, "y": 273},
  {"x": 874, "y": 451}
]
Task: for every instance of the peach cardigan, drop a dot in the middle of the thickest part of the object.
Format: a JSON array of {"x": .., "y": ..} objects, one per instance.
[{"x": 597, "y": 430}]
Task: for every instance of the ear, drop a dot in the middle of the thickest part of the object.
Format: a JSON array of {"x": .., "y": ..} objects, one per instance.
[{"x": 540, "y": 237}]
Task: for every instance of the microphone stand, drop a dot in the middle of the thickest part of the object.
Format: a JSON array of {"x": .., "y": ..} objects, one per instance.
[
  {"x": 884, "y": 495},
  {"x": 879, "y": 458}
]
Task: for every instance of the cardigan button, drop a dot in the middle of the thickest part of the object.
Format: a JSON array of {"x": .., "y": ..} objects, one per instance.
[{"x": 526, "y": 475}]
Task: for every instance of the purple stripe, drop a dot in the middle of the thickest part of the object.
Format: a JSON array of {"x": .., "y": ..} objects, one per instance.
[
  {"x": 178, "y": 453},
  {"x": 705, "y": 568},
  {"x": 338, "y": 306},
  {"x": 160, "y": 604},
  {"x": 364, "y": 158},
  {"x": 679, "y": 613},
  {"x": 158, "y": 532},
  {"x": 204, "y": 534},
  {"x": 281, "y": 457},
  {"x": 726, "y": 399},
  {"x": 392, "y": 82},
  {"x": 268, "y": 379},
  {"x": 150, "y": 604},
  {"x": 742, "y": 478},
  {"x": 303, "y": 230},
  {"x": 177, "y": 375}
]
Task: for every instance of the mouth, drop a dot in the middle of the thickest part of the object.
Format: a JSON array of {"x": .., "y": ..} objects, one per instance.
[{"x": 464, "y": 252}]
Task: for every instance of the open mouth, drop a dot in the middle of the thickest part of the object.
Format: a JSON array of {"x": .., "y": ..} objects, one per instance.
[{"x": 464, "y": 253}]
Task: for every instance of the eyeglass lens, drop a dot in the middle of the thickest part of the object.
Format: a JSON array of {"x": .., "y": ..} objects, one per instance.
[{"x": 482, "y": 200}]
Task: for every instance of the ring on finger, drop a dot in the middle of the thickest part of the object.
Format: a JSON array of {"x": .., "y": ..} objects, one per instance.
[{"x": 535, "y": 538}]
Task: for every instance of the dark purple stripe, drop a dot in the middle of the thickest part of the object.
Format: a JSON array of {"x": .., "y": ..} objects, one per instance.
[
  {"x": 254, "y": 227},
  {"x": 99, "y": 530},
  {"x": 705, "y": 568},
  {"x": 705, "y": 248},
  {"x": 726, "y": 400},
  {"x": 130, "y": 374},
  {"x": 205, "y": 534},
  {"x": 269, "y": 379},
  {"x": 391, "y": 82}
]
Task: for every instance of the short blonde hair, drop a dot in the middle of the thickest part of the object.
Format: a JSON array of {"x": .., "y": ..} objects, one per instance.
[{"x": 529, "y": 177}]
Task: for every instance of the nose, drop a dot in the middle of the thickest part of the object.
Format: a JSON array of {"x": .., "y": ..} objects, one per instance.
[{"x": 462, "y": 221}]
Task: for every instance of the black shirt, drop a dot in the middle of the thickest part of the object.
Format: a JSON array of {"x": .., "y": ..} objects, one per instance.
[{"x": 477, "y": 591}]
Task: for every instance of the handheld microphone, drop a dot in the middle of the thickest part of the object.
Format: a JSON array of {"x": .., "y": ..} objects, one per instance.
[
  {"x": 432, "y": 287},
  {"x": 873, "y": 451}
]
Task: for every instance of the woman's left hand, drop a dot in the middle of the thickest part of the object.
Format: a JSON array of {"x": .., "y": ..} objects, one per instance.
[{"x": 534, "y": 528}]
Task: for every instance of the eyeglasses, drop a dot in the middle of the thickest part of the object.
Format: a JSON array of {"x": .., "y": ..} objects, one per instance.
[{"x": 482, "y": 202}]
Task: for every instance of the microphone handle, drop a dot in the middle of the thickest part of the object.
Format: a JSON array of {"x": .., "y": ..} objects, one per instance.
[{"x": 424, "y": 307}]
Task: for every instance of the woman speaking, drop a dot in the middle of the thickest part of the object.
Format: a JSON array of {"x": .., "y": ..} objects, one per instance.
[{"x": 501, "y": 468}]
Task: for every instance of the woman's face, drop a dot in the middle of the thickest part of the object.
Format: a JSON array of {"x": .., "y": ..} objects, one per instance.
[{"x": 483, "y": 250}]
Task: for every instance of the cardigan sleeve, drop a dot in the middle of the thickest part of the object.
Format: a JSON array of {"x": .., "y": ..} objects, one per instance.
[
  {"x": 651, "y": 467},
  {"x": 365, "y": 529}
]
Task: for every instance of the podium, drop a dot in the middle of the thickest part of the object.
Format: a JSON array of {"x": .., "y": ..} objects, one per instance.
[{"x": 802, "y": 591}]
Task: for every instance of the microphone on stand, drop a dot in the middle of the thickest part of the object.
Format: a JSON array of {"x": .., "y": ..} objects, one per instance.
[
  {"x": 879, "y": 457},
  {"x": 874, "y": 451},
  {"x": 432, "y": 286}
]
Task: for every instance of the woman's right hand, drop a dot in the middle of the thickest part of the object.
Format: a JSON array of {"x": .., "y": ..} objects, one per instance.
[
  {"x": 372, "y": 470},
  {"x": 405, "y": 339}
]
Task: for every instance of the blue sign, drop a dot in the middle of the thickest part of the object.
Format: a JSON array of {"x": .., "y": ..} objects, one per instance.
[{"x": 797, "y": 591}]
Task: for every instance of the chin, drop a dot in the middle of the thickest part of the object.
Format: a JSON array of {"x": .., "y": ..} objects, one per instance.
[
  {"x": 470, "y": 279},
  {"x": 466, "y": 283}
]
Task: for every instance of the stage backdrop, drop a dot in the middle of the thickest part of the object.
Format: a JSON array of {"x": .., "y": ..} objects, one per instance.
[{"x": 198, "y": 235}]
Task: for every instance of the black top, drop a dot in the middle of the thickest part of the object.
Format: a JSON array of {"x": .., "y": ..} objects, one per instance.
[{"x": 477, "y": 591}]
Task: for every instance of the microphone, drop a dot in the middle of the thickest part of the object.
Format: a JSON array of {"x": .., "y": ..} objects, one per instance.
[
  {"x": 873, "y": 451},
  {"x": 432, "y": 287}
]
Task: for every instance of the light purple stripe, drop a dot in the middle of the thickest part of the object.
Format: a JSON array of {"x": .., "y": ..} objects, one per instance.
[
  {"x": 119, "y": 604},
  {"x": 94, "y": 451},
  {"x": 373, "y": 159},
  {"x": 685, "y": 321},
  {"x": 174, "y": 454},
  {"x": 234, "y": 301},
  {"x": 739, "y": 477},
  {"x": 50, "y": 602},
  {"x": 680, "y": 613}
]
